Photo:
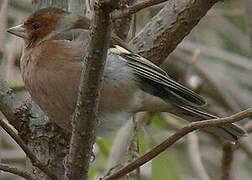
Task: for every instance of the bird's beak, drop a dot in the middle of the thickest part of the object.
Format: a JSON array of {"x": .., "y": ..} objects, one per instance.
[{"x": 19, "y": 31}]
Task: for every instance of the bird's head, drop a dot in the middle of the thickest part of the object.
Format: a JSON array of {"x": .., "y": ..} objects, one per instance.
[{"x": 47, "y": 23}]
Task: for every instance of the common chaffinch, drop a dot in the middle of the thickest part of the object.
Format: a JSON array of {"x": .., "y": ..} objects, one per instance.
[{"x": 51, "y": 68}]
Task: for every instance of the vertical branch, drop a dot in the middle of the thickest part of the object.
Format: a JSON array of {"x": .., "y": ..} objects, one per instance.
[
  {"x": 85, "y": 116},
  {"x": 118, "y": 151},
  {"x": 121, "y": 26},
  {"x": 133, "y": 148},
  {"x": 226, "y": 161},
  {"x": 194, "y": 155},
  {"x": 248, "y": 7},
  {"x": 3, "y": 19}
]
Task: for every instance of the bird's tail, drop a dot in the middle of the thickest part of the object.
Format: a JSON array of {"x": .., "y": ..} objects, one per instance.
[{"x": 231, "y": 132}]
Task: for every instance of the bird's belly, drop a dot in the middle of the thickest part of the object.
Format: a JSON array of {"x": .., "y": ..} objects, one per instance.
[
  {"x": 58, "y": 101},
  {"x": 113, "y": 108}
]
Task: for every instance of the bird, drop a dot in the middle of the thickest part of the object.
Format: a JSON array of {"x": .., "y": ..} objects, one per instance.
[{"x": 51, "y": 69}]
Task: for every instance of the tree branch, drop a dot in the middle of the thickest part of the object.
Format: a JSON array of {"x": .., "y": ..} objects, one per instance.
[
  {"x": 121, "y": 26},
  {"x": 85, "y": 117},
  {"x": 27, "y": 151},
  {"x": 168, "y": 28},
  {"x": 17, "y": 115},
  {"x": 135, "y": 8},
  {"x": 226, "y": 162},
  {"x": 17, "y": 172},
  {"x": 177, "y": 136}
]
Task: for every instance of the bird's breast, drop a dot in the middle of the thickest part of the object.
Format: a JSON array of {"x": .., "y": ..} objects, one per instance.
[{"x": 53, "y": 84}]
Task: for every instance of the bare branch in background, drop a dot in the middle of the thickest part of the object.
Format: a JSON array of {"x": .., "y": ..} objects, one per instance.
[
  {"x": 246, "y": 148},
  {"x": 121, "y": 141},
  {"x": 3, "y": 24},
  {"x": 3, "y": 21},
  {"x": 230, "y": 31},
  {"x": 177, "y": 136},
  {"x": 27, "y": 151},
  {"x": 211, "y": 86},
  {"x": 38, "y": 4},
  {"x": 17, "y": 172},
  {"x": 225, "y": 56},
  {"x": 195, "y": 157},
  {"x": 133, "y": 148},
  {"x": 226, "y": 162},
  {"x": 248, "y": 7},
  {"x": 85, "y": 116},
  {"x": 10, "y": 59},
  {"x": 135, "y": 8},
  {"x": 118, "y": 151},
  {"x": 168, "y": 28}
]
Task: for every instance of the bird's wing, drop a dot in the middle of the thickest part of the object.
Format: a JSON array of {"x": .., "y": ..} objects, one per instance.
[
  {"x": 187, "y": 103},
  {"x": 151, "y": 73}
]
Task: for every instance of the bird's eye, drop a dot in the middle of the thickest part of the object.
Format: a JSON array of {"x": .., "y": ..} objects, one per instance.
[{"x": 36, "y": 26}]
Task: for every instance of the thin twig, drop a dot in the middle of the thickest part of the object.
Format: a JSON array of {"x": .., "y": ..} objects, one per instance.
[
  {"x": 195, "y": 157},
  {"x": 177, "y": 136},
  {"x": 135, "y": 8},
  {"x": 27, "y": 151},
  {"x": 226, "y": 162},
  {"x": 85, "y": 116},
  {"x": 17, "y": 172}
]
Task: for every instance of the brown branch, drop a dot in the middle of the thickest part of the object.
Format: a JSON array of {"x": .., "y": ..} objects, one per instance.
[
  {"x": 27, "y": 151},
  {"x": 226, "y": 162},
  {"x": 85, "y": 116},
  {"x": 168, "y": 28},
  {"x": 177, "y": 136},
  {"x": 135, "y": 8},
  {"x": 17, "y": 172},
  {"x": 121, "y": 26},
  {"x": 16, "y": 114}
]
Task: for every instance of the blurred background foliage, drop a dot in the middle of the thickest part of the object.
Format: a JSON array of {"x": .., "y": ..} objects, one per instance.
[{"x": 214, "y": 60}]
